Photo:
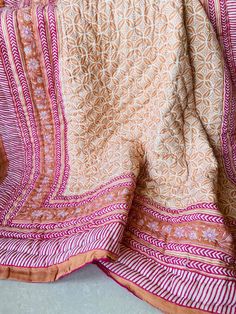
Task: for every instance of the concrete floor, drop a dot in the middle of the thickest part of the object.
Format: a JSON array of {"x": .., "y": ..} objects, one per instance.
[{"x": 86, "y": 291}]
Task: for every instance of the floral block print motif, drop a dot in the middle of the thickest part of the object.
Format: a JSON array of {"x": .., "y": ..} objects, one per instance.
[{"x": 117, "y": 146}]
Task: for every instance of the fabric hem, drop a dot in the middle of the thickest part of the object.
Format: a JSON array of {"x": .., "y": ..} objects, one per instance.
[
  {"x": 55, "y": 272},
  {"x": 167, "y": 307}
]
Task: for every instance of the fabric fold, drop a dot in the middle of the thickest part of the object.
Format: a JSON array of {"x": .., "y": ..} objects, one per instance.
[{"x": 117, "y": 131}]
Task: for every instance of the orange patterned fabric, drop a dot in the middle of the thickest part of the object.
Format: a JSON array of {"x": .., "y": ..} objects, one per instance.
[{"x": 117, "y": 146}]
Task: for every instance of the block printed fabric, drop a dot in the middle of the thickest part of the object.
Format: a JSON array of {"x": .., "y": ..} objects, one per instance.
[{"x": 118, "y": 146}]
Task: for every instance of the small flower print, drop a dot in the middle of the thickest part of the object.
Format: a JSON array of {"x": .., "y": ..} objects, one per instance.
[
  {"x": 78, "y": 210},
  {"x": 209, "y": 234},
  {"x": 33, "y": 64},
  {"x": 47, "y": 149},
  {"x": 141, "y": 222},
  {"x": 47, "y": 138},
  {"x": 49, "y": 215},
  {"x": 48, "y": 127},
  {"x": 27, "y": 17},
  {"x": 192, "y": 235},
  {"x": 167, "y": 229},
  {"x": 43, "y": 114},
  {"x": 45, "y": 181},
  {"x": 27, "y": 50},
  {"x": 125, "y": 192},
  {"x": 109, "y": 198},
  {"x": 152, "y": 226},
  {"x": 179, "y": 232},
  {"x": 27, "y": 33},
  {"x": 40, "y": 79},
  {"x": 39, "y": 92},
  {"x": 40, "y": 105},
  {"x": 48, "y": 158},
  {"x": 62, "y": 214},
  {"x": 37, "y": 213}
]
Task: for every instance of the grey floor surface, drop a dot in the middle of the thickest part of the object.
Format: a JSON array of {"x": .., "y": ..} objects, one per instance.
[{"x": 86, "y": 291}]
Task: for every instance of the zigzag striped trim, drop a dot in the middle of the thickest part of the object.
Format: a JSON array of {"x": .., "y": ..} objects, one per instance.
[
  {"x": 44, "y": 253},
  {"x": 179, "y": 286}
]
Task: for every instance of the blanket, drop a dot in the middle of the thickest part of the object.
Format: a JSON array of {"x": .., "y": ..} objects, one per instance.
[{"x": 118, "y": 146}]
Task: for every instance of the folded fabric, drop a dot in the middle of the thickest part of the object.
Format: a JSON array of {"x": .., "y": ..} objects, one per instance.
[{"x": 118, "y": 146}]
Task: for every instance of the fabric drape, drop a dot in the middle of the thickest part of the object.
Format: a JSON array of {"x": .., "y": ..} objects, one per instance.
[{"x": 118, "y": 146}]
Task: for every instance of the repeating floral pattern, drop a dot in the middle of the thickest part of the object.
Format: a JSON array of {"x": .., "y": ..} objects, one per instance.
[
  {"x": 99, "y": 73},
  {"x": 120, "y": 107}
]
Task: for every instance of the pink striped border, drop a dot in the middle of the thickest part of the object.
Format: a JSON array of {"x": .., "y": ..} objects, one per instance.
[
  {"x": 24, "y": 138},
  {"x": 172, "y": 261},
  {"x": 38, "y": 253},
  {"x": 178, "y": 286}
]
